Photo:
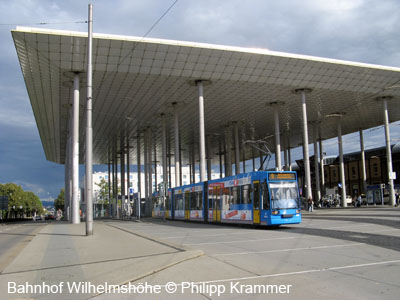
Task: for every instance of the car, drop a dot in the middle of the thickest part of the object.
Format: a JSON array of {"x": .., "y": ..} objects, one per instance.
[
  {"x": 49, "y": 217},
  {"x": 38, "y": 218}
]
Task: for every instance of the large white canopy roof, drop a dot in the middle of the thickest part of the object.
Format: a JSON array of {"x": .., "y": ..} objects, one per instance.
[{"x": 137, "y": 79}]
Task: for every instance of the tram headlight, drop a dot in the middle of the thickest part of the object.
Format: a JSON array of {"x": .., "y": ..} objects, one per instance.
[{"x": 275, "y": 212}]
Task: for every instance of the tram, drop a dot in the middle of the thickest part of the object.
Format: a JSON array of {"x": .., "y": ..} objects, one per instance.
[
  {"x": 158, "y": 205},
  {"x": 189, "y": 202},
  {"x": 268, "y": 198}
]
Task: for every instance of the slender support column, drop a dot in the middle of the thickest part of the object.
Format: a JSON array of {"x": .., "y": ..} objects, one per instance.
[
  {"x": 155, "y": 167},
  {"x": 150, "y": 173},
  {"x": 67, "y": 182},
  {"x": 177, "y": 159},
  {"x": 237, "y": 150},
  {"x": 75, "y": 153},
  {"x": 116, "y": 193},
  {"x": 341, "y": 164},
  {"x": 66, "y": 185},
  {"x": 169, "y": 164},
  {"x": 228, "y": 152},
  {"x": 113, "y": 185},
  {"x": 226, "y": 171},
  {"x": 164, "y": 160},
  {"x": 123, "y": 188},
  {"x": 321, "y": 163},
  {"x": 278, "y": 163},
  {"x": 316, "y": 165},
  {"x": 285, "y": 154},
  {"x": 89, "y": 131},
  {"x": 128, "y": 176},
  {"x": 392, "y": 199},
  {"x": 190, "y": 169},
  {"x": 70, "y": 172},
  {"x": 180, "y": 163},
  {"x": 261, "y": 161},
  {"x": 191, "y": 164},
  {"x": 202, "y": 133},
  {"x": 139, "y": 176},
  {"x": 208, "y": 158},
  {"x": 194, "y": 163},
  {"x": 220, "y": 158},
  {"x": 289, "y": 154},
  {"x": 150, "y": 168},
  {"x": 244, "y": 160},
  {"x": 363, "y": 168},
  {"x": 146, "y": 171},
  {"x": 306, "y": 155},
  {"x": 109, "y": 182}
]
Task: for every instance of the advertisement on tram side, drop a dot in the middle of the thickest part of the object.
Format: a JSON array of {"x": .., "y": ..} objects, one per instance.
[
  {"x": 179, "y": 214},
  {"x": 236, "y": 215},
  {"x": 196, "y": 214}
]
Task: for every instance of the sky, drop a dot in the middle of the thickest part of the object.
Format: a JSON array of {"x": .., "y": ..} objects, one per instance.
[{"x": 356, "y": 30}]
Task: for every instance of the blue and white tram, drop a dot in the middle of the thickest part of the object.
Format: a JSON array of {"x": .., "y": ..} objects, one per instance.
[
  {"x": 262, "y": 198},
  {"x": 265, "y": 197}
]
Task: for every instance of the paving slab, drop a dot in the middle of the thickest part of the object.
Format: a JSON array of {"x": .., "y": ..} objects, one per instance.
[{"x": 61, "y": 254}]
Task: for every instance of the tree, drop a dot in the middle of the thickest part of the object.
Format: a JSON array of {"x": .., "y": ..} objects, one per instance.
[
  {"x": 103, "y": 192},
  {"x": 59, "y": 202},
  {"x": 20, "y": 202}
]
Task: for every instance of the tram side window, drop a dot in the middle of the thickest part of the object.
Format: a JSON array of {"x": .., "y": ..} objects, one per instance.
[
  {"x": 226, "y": 198},
  {"x": 187, "y": 200},
  {"x": 235, "y": 195},
  {"x": 179, "y": 202},
  {"x": 199, "y": 200},
  {"x": 196, "y": 202},
  {"x": 192, "y": 200},
  {"x": 245, "y": 191},
  {"x": 265, "y": 196}
]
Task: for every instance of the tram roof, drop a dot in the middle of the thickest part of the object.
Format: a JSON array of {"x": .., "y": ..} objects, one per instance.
[{"x": 135, "y": 80}]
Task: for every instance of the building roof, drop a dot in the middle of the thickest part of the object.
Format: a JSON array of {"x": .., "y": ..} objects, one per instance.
[{"x": 136, "y": 79}]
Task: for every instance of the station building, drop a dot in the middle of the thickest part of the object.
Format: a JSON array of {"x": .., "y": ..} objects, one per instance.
[{"x": 375, "y": 165}]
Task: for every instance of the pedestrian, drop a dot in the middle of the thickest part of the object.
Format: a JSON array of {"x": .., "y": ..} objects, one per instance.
[
  {"x": 359, "y": 201},
  {"x": 59, "y": 214},
  {"x": 310, "y": 204}
]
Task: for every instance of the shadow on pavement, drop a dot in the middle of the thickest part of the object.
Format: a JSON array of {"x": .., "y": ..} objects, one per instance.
[
  {"x": 90, "y": 263},
  {"x": 384, "y": 241},
  {"x": 359, "y": 219}
]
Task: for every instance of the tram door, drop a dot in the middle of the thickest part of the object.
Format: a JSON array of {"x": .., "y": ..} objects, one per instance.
[
  {"x": 216, "y": 204},
  {"x": 256, "y": 202},
  {"x": 187, "y": 207}
]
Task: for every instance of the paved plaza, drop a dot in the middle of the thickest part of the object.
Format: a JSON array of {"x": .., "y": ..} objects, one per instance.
[{"x": 334, "y": 253}]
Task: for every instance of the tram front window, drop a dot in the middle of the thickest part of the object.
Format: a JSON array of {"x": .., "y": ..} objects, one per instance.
[{"x": 283, "y": 194}]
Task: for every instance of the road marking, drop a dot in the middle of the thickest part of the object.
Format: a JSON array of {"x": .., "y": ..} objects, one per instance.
[
  {"x": 299, "y": 272},
  {"x": 290, "y": 249},
  {"x": 347, "y": 226},
  {"x": 383, "y": 230},
  {"x": 245, "y": 241},
  {"x": 189, "y": 234}
]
